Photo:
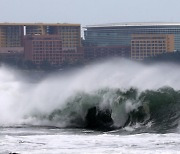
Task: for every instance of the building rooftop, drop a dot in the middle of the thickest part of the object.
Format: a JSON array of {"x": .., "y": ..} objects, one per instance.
[
  {"x": 38, "y": 24},
  {"x": 129, "y": 24}
]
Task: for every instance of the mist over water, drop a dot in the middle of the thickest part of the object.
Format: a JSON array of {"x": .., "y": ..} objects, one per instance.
[{"x": 39, "y": 103}]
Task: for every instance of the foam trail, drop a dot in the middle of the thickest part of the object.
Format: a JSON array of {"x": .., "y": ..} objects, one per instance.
[{"x": 19, "y": 97}]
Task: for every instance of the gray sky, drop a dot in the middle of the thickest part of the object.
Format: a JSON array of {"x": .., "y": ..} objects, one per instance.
[{"x": 88, "y": 12}]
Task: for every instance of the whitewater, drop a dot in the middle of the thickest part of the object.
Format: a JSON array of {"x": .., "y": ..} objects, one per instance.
[{"x": 112, "y": 106}]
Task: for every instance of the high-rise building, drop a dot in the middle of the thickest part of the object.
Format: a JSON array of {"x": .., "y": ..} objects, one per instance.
[
  {"x": 40, "y": 48},
  {"x": 11, "y": 35},
  {"x": 149, "y": 45},
  {"x": 70, "y": 33},
  {"x": 122, "y": 34},
  {"x": 65, "y": 37}
]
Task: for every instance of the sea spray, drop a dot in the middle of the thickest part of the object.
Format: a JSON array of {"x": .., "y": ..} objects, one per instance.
[{"x": 57, "y": 99}]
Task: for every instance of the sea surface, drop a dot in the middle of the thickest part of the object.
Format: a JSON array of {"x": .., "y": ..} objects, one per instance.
[
  {"x": 114, "y": 106},
  {"x": 29, "y": 140}
]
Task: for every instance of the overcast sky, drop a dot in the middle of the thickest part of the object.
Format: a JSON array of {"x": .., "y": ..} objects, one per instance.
[{"x": 88, "y": 12}]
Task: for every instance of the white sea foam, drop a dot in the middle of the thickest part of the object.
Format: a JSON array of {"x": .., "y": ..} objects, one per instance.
[
  {"x": 20, "y": 98},
  {"x": 63, "y": 142}
]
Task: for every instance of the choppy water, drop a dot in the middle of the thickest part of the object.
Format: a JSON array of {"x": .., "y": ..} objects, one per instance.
[
  {"x": 55, "y": 141},
  {"x": 116, "y": 106},
  {"x": 46, "y": 140}
]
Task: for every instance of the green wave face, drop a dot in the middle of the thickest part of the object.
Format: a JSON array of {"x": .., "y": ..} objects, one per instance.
[
  {"x": 151, "y": 110},
  {"x": 164, "y": 106}
]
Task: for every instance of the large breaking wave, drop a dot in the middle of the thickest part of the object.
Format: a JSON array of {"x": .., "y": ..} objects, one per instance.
[{"x": 112, "y": 94}]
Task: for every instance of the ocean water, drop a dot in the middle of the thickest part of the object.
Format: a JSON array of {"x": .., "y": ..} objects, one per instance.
[
  {"x": 114, "y": 106},
  {"x": 55, "y": 141}
]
